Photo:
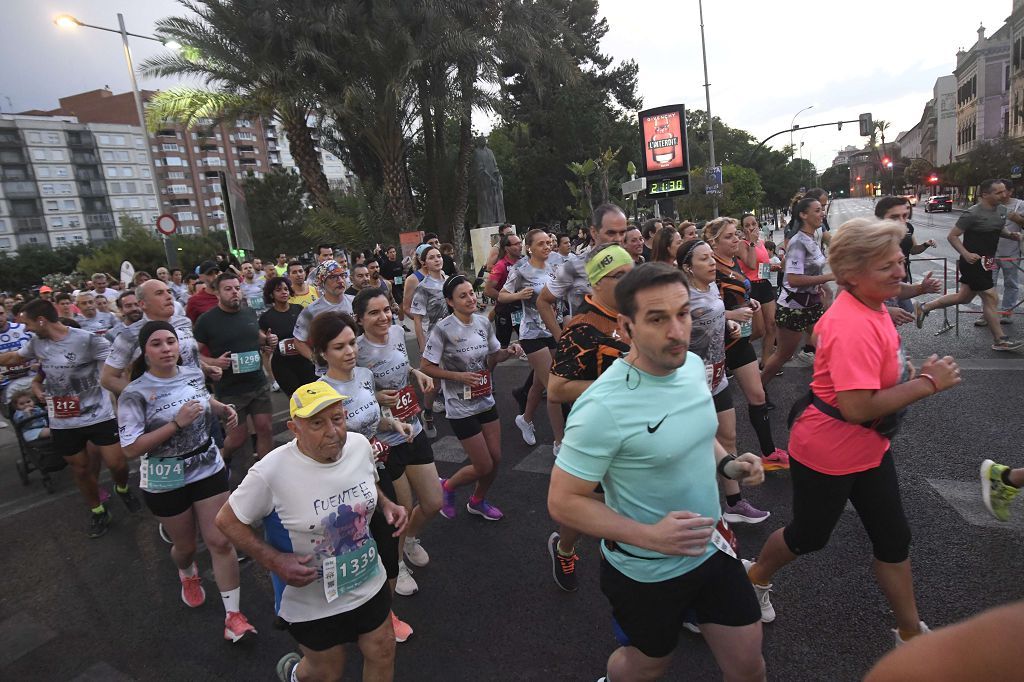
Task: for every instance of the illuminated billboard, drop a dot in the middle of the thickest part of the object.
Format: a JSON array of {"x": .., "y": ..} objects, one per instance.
[{"x": 663, "y": 136}]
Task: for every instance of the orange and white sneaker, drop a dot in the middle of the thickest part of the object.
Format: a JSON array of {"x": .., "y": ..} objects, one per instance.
[
  {"x": 777, "y": 461},
  {"x": 403, "y": 630},
  {"x": 192, "y": 592},
  {"x": 237, "y": 627}
]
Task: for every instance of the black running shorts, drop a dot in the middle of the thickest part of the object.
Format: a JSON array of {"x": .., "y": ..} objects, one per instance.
[{"x": 342, "y": 628}]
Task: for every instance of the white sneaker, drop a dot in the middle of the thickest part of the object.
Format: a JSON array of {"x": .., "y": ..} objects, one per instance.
[
  {"x": 275, "y": 387},
  {"x": 415, "y": 553},
  {"x": 405, "y": 585},
  {"x": 526, "y": 428},
  {"x": 555, "y": 447},
  {"x": 762, "y": 592},
  {"x": 438, "y": 405},
  {"x": 804, "y": 359},
  {"x": 899, "y": 640}
]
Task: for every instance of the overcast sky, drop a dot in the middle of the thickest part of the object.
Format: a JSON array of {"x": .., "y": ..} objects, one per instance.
[{"x": 766, "y": 59}]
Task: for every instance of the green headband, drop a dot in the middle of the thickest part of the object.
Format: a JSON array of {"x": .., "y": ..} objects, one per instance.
[{"x": 609, "y": 259}]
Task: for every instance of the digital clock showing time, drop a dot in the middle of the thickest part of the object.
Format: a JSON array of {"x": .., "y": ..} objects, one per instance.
[{"x": 668, "y": 186}]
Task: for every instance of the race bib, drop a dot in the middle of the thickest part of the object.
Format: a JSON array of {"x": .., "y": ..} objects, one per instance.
[
  {"x": 481, "y": 389},
  {"x": 989, "y": 263},
  {"x": 345, "y": 572},
  {"x": 247, "y": 361},
  {"x": 724, "y": 539},
  {"x": 381, "y": 450},
  {"x": 714, "y": 372},
  {"x": 287, "y": 347},
  {"x": 746, "y": 329},
  {"x": 408, "y": 405},
  {"x": 517, "y": 317},
  {"x": 398, "y": 280},
  {"x": 63, "y": 406},
  {"x": 16, "y": 371},
  {"x": 764, "y": 270},
  {"x": 162, "y": 473},
  {"x": 257, "y": 303}
]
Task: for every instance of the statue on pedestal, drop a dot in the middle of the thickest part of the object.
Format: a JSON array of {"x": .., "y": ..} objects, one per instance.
[{"x": 490, "y": 198}]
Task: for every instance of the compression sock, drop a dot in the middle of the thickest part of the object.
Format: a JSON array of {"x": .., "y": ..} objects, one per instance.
[
  {"x": 232, "y": 599},
  {"x": 98, "y": 510},
  {"x": 447, "y": 486},
  {"x": 1006, "y": 477},
  {"x": 733, "y": 500},
  {"x": 475, "y": 499},
  {"x": 762, "y": 427},
  {"x": 121, "y": 489},
  {"x": 189, "y": 572}
]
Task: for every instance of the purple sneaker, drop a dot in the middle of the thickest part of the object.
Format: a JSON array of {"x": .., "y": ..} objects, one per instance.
[
  {"x": 744, "y": 512},
  {"x": 448, "y": 502},
  {"x": 485, "y": 509}
]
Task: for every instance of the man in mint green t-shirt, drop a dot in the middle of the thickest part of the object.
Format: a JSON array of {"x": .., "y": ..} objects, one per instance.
[{"x": 646, "y": 431}]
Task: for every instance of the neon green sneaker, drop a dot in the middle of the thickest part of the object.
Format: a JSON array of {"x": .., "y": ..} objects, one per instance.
[{"x": 994, "y": 493}]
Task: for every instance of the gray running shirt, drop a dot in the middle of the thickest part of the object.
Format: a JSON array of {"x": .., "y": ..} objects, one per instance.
[
  {"x": 389, "y": 364},
  {"x": 570, "y": 281},
  {"x": 126, "y": 345},
  {"x": 362, "y": 411},
  {"x": 318, "y": 307},
  {"x": 707, "y": 335},
  {"x": 803, "y": 257},
  {"x": 150, "y": 402},
  {"x": 100, "y": 323},
  {"x": 253, "y": 295},
  {"x": 521, "y": 276},
  {"x": 72, "y": 368},
  {"x": 428, "y": 301},
  {"x": 459, "y": 347}
]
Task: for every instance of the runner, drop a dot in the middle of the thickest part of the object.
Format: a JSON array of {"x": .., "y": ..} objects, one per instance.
[
  {"x": 462, "y": 351},
  {"x": 428, "y": 307},
  {"x": 840, "y": 442},
  {"x": 981, "y": 226},
  {"x": 89, "y": 318},
  {"x": 721, "y": 234},
  {"x": 709, "y": 318},
  {"x": 290, "y": 370},
  {"x": 633, "y": 242},
  {"x": 165, "y": 415},
  {"x": 901, "y": 309},
  {"x": 230, "y": 337},
  {"x": 329, "y": 279},
  {"x": 252, "y": 288},
  {"x": 800, "y": 302},
  {"x": 588, "y": 346},
  {"x": 333, "y": 338},
  {"x": 80, "y": 411},
  {"x": 381, "y": 349},
  {"x": 393, "y": 271},
  {"x": 129, "y": 311},
  {"x": 525, "y": 281},
  {"x": 13, "y": 378},
  {"x": 303, "y": 293},
  {"x": 999, "y": 485},
  {"x": 511, "y": 249},
  {"x": 315, "y": 496},
  {"x": 178, "y": 286},
  {"x": 666, "y": 243},
  {"x": 757, "y": 268},
  {"x": 656, "y": 418},
  {"x": 205, "y": 297}
]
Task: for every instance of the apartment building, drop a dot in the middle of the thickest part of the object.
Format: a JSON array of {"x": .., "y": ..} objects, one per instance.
[
  {"x": 279, "y": 152},
  {"x": 983, "y": 90}
]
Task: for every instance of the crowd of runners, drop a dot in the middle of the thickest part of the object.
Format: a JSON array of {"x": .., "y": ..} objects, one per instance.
[{"x": 636, "y": 337}]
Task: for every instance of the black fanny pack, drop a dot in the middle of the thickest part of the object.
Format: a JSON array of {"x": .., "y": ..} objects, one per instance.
[
  {"x": 197, "y": 451},
  {"x": 806, "y": 299},
  {"x": 887, "y": 426}
]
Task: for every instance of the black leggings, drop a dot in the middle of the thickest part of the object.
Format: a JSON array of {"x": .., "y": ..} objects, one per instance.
[
  {"x": 819, "y": 500},
  {"x": 382, "y": 530},
  {"x": 503, "y": 327}
]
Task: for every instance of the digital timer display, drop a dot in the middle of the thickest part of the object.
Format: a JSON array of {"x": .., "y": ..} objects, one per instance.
[{"x": 668, "y": 186}]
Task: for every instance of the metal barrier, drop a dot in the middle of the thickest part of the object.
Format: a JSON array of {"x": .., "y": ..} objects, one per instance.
[
  {"x": 946, "y": 326},
  {"x": 1010, "y": 311}
]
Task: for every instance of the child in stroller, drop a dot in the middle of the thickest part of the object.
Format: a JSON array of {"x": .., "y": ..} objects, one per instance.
[{"x": 28, "y": 417}]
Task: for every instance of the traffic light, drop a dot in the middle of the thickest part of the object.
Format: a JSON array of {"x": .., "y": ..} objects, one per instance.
[
  {"x": 934, "y": 179},
  {"x": 858, "y": 178},
  {"x": 867, "y": 126},
  {"x": 885, "y": 160}
]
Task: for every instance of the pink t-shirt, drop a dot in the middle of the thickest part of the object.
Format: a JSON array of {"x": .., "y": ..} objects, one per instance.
[
  {"x": 857, "y": 349},
  {"x": 761, "y": 252}
]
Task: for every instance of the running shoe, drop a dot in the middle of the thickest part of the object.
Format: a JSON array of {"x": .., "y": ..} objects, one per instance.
[
  {"x": 484, "y": 509},
  {"x": 163, "y": 534},
  {"x": 192, "y": 592},
  {"x": 563, "y": 568},
  {"x": 447, "y": 502},
  {"x": 438, "y": 405},
  {"x": 981, "y": 322},
  {"x": 691, "y": 626},
  {"x": 919, "y": 314},
  {"x": 275, "y": 387},
  {"x": 428, "y": 424},
  {"x": 415, "y": 553},
  {"x": 804, "y": 359},
  {"x": 526, "y": 428},
  {"x": 403, "y": 630},
  {"x": 777, "y": 461},
  {"x": 899, "y": 640},
  {"x": 994, "y": 492},
  {"x": 99, "y": 523},
  {"x": 555, "y": 447},
  {"x": 286, "y": 665},
  {"x": 744, "y": 512},
  {"x": 1006, "y": 316},
  {"x": 1005, "y": 344},
  {"x": 130, "y": 501},
  {"x": 405, "y": 585},
  {"x": 237, "y": 627},
  {"x": 763, "y": 593}
]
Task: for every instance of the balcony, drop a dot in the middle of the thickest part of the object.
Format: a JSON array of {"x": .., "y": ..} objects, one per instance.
[
  {"x": 87, "y": 174},
  {"x": 15, "y": 189},
  {"x": 94, "y": 188},
  {"x": 80, "y": 138},
  {"x": 272, "y": 147},
  {"x": 167, "y": 132},
  {"x": 247, "y": 150},
  {"x": 12, "y": 156},
  {"x": 29, "y": 225},
  {"x": 15, "y": 172},
  {"x": 10, "y": 138},
  {"x": 84, "y": 158}
]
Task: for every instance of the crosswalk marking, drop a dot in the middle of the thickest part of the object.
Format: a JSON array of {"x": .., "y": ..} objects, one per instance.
[{"x": 965, "y": 498}]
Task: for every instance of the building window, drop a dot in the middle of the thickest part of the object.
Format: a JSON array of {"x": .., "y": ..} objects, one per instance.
[
  {"x": 35, "y": 137},
  {"x": 139, "y": 142},
  {"x": 128, "y": 172},
  {"x": 5, "y": 243},
  {"x": 56, "y": 222},
  {"x": 32, "y": 239},
  {"x": 47, "y": 188},
  {"x": 61, "y": 172},
  {"x": 123, "y": 156},
  {"x": 51, "y": 205},
  {"x": 69, "y": 204},
  {"x": 119, "y": 139},
  {"x": 60, "y": 240},
  {"x": 52, "y": 138},
  {"x": 111, "y": 171},
  {"x": 77, "y": 239},
  {"x": 176, "y": 175},
  {"x": 108, "y": 155},
  {"x": 167, "y": 147},
  {"x": 56, "y": 154},
  {"x": 39, "y": 154},
  {"x": 74, "y": 222},
  {"x": 144, "y": 172},
  {"x": 104, "y": 139},
  {"x": 64, "y": 188},
  {"x": 43, "y": 171}
]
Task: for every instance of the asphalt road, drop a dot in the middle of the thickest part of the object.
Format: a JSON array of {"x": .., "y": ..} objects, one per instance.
[{"x": 487, "y": 609}]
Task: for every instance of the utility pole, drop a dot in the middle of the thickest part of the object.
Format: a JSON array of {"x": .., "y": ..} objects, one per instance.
[{"x": 707, "y": 97}]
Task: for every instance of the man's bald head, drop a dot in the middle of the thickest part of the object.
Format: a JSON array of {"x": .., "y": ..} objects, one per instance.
[{"x": 155, "y": 299}]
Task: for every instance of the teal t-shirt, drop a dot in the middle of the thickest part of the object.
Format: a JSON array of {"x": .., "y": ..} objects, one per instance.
[{"x": 647, "y": 474}]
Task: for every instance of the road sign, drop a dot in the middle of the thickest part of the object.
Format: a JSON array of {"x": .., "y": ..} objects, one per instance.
[
  {"x": 634, "y": 186},
  {"x": 167, "y": 224},
  {"x": 867, "y": 126},
  {"x": 1015, "y": 172},
  {"x": 713, "y": 180}
]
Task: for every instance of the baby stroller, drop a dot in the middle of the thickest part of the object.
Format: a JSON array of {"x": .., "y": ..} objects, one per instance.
[{"x": 36, "y": 455}]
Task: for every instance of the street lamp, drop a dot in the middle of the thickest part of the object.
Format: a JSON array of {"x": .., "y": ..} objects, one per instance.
[
  {"x": 67, "y": 21},
  {"x": 792, "y": 127}
]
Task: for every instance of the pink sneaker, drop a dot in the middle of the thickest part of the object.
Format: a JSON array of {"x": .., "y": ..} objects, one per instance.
[
  {"x": 403, "y": 630},
  {"x": 192, "y": 592},
  {"x": 237, "y": 627},
  {"x": 776, "y": 461}
]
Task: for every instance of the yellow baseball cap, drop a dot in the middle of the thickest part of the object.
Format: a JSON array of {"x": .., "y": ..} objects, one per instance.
[{"x": 311, "y": 398}]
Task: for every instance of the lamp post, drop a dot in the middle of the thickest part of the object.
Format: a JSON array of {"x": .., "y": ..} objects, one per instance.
[
  {"x": 792, "y": 127},
  {"x": 68, "y": 21},
  {"x": 707, "y": 97}
]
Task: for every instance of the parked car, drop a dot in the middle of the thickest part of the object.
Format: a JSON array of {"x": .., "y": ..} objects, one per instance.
[
  {"x": 939, "y": 203},
  {"x": 912, "y": 198}
]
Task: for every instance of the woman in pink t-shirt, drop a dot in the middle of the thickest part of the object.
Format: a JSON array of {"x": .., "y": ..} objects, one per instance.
[{"x": 836, "y": 454}]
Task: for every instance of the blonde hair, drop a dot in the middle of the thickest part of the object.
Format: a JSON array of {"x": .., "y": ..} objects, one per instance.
[
  {"x": 859, "y": 242},
  {"x": 714, "y": 228}
]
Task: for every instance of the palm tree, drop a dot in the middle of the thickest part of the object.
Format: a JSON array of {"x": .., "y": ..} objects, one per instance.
[{"x": 245, "y": 53}]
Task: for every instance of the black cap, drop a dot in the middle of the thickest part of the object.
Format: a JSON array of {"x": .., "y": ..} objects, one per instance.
[{"x": 208, "y": 265}]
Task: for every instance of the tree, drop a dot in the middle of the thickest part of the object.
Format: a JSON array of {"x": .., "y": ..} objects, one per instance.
[
  {"x": 145, "y": 251},
  {"x": 741, "y": 192},
  {"x": 917, "y": 172},
  {"x": 836, "y": 180},
  {"x": 26, "y": 268},
  {"x": 277, "y": 212},
  {"x": 732, "y": 145}
]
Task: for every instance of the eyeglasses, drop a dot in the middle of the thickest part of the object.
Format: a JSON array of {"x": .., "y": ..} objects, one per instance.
[
  {"x": 617, "y": 275},
  {"x": 337, "y": 277}
]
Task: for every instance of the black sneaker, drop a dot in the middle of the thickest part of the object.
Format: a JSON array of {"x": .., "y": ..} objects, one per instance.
[
  {"x": 129, "y": 499},
  {"x": 563, "y": 568},
  {"x": 99, "y": 523}
]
